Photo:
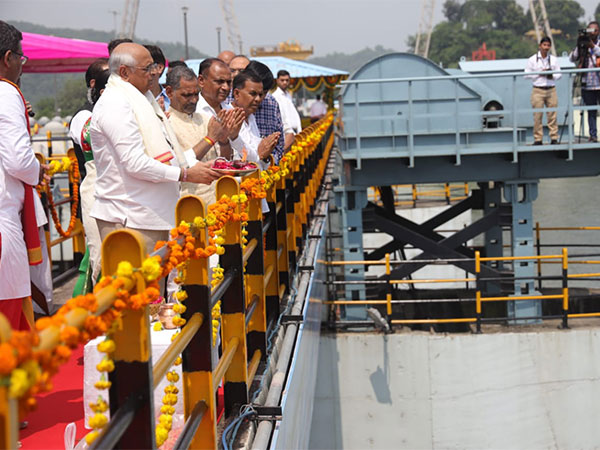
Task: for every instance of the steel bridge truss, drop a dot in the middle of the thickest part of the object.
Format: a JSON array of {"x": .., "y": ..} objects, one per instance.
[{"x": 514, "y": 213}]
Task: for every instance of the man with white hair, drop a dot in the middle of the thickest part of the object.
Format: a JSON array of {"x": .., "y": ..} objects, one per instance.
[{"x": 138, "y": 159}]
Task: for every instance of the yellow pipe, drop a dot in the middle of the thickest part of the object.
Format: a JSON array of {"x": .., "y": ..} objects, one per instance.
[
  {"x": 225, "y": 360},
  {"x": 253, "y": 366},
  {"x": 457, "y": 320},
  {"x": 520, "y": 297},
  {"x": 583, "y": 275},
  {"x": 168, "y": 358},
  {"x": 477, "y": 261},
  {"x": 268, "y": 274},
  {"x": 281, "y": 290},
  {"x": 249, "y": 249},
  {"x": 519, "y": 258},
  {"x": 581, "y": 315},
  {"x": 443, "y": 280},
  {"x": 348, "y": 263},
  {"x": 478, "y": 302},
  {"x": 569, "y": 228},
  {"x": 356, "y": 302}
]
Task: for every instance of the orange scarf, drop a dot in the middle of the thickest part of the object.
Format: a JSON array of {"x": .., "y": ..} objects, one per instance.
[{"x": 28, "y": 220}]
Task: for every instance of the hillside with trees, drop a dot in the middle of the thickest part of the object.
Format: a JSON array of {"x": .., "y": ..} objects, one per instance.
[{"x": 503, "y": 25}]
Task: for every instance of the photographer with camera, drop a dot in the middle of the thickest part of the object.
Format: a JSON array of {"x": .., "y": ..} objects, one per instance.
[
  {"x": 544, "y": 91},
  {"x": 585, "y": 55}
]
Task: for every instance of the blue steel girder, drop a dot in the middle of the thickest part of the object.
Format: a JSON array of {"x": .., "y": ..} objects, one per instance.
[
  {"x": 433, "y": 244},
  {"x": 351, "y": 203},
  {"x": 521, "y": 195},
  {"x": 390, "y": 170}
]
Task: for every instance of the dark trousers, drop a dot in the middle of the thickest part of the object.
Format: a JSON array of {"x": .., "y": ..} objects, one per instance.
[{"x": 591, "y": 98}]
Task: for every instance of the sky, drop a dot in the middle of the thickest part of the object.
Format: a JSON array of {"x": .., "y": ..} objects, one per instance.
[{"x": 327, "y": 25}]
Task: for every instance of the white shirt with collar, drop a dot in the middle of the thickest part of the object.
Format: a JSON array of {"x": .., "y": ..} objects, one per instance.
[
  {"x": 132, "y": 188},
  {"x": 18, "y": 165},
  {"x": 205, "y": 108},
  {"x": 289, "y": 113},
  {"x": 537, "y": 63}
]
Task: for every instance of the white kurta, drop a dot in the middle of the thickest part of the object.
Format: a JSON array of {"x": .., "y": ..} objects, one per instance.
[
  {"x": 131, "y": 188},
  {"x": 18, "y": 165},
  {"x": 289, "y": 113}
]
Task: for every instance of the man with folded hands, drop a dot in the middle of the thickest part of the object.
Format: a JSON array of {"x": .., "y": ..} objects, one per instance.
[{"x": 190, "y": 126}]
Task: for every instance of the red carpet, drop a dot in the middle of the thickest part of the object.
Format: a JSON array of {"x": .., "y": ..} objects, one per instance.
[
  {"x": 63, "y": 405},
  {"x": 58, "y": 408}
]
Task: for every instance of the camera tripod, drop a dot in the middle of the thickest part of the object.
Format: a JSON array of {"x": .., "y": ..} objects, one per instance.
[{"x": 582, "y": 51}]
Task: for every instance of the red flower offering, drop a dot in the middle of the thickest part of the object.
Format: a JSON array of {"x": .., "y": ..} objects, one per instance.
[{"x": 236, "y": 167}]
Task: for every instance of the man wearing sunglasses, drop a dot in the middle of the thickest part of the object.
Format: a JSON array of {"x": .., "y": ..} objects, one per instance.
[{"x": 20, "y": 207}]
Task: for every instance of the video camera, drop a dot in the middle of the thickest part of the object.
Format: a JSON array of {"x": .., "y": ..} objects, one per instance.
[{"x": 583, "y": 36}]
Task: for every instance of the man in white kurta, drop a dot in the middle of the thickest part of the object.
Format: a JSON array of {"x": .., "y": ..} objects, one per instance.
[
  {"x": 138, "y": 160},
  {"x": 196, "y": 130},
  {"x": 18, "y": 167},
  {"x": 292, "y": 124}
]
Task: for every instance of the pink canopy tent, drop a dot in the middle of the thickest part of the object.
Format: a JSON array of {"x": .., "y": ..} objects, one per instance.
[{"x": 50, "y": 54}]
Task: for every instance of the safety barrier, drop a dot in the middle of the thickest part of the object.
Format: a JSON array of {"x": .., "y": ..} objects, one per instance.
[
  {"x": 258, "y": 256},
  {"x": 445, "y": 194},
  {"x": 387, "y": 283}
]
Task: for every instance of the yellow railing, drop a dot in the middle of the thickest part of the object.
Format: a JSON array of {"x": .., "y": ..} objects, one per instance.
[
  {"x": 387, "y": 282},
  {"x": 244, "y": 275},
  {"x": 447, "y": 194}
]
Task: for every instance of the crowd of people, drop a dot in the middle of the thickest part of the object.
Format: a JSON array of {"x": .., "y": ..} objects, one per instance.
[{"x": 140, "y": 145}]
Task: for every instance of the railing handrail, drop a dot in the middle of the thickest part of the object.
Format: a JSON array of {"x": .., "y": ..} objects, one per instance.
[{"x": 468, "y": 76}]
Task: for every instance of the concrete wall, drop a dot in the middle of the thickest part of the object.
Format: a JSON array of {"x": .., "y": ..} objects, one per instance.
[{"x": 495, "y": 391}]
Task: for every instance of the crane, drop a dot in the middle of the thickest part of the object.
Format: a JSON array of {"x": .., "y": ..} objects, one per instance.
[
  {"x": 425, "y": 28},
  {"x": 130, "y": 13},
  {"x": 233, "y": 30},
  {"x": 541, "y": 25}
]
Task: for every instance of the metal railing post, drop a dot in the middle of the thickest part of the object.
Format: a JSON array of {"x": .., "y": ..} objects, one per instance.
[
  {"x": 233, "y": 309},
  {"x": 291, "y": 218},
  {"x": 133, "y": 354},
  {"x": 538, "y": 250},
  {"x": 478, "y": 292},
  {"x": 197, "y": 358},
  {"x": 388, "y": 295},
  {"x": 271, "y": 259},
  {"x": 255, "y": 280},
  {"x": 283, "y": 262},
  {"x": 565, "y": 288}
]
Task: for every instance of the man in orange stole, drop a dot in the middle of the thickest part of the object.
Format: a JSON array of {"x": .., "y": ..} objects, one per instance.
[{"x": 19, "y": 172}]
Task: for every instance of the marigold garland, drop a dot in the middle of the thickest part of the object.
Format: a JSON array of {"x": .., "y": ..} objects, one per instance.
[{"x": 72, "y": 166}]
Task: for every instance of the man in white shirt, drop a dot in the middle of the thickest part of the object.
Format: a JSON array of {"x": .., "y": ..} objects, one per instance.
[
  {"x": 544, "y": 91},
  {"x": 247, "y": 94},
  {"x": 214, "y": 79},
  {"x": 138, "y": 159},
  {"x": 292, "y": 124},
  {"x": 19, "y": 171},
  {"x": 318, "y": 109}
]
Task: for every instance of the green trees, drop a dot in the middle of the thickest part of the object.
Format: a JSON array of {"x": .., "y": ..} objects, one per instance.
[{"x": 502, "y": 24}]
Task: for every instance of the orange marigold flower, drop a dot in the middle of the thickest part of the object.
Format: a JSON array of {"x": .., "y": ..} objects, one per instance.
[
  {"x": 8, "y": 359},
  {"x": 70, "y": 336}
]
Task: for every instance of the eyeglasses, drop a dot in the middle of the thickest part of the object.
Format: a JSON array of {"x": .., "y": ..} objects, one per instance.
[
  {"x": 148, "y": 69},
  {"x": 23, "y": 58}
]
